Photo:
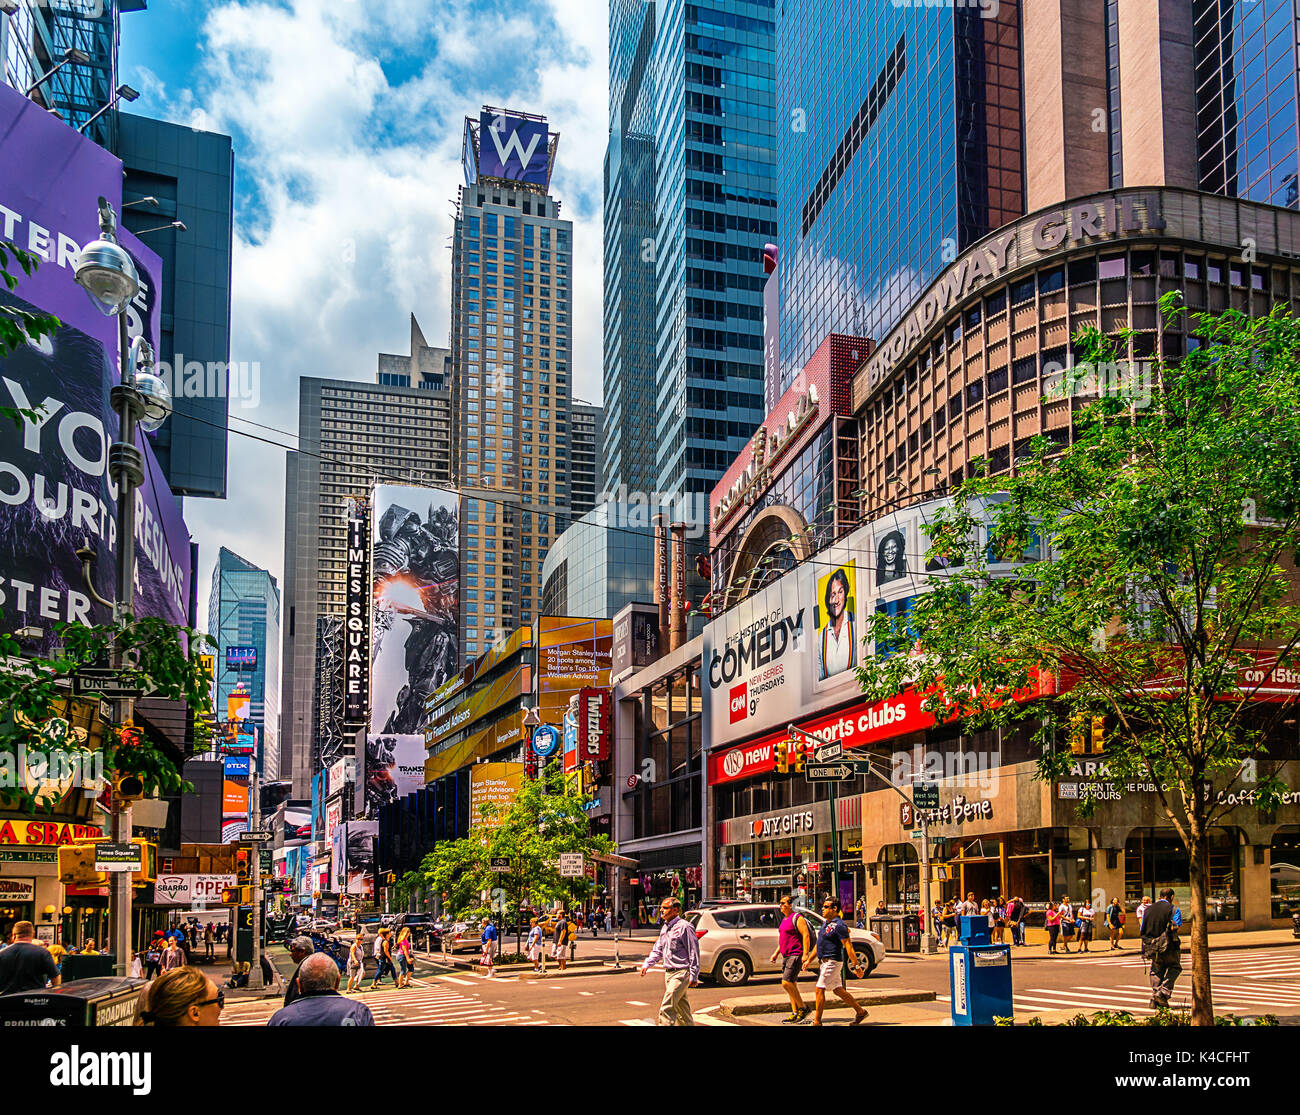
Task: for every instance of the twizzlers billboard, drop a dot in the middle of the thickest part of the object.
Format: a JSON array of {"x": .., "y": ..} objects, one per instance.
[{"x": 54, "y": 485}]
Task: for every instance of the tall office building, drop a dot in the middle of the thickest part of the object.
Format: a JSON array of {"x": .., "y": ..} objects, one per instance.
[
  {"x": 34, "y": 36},
  {"x": 350, "y": 435},
  {"x": 690, "y": 200},
  {"x": 585, "y": 425},
  {"x": 244, "y": 619},
  {"x": 888, "y": 169},
  {"x": 511, "y": 345}
]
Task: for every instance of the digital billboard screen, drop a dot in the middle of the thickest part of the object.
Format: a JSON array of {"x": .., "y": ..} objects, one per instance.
[
  {"x": 415, "y": 604},
  {"x": 241, "y": 658}
]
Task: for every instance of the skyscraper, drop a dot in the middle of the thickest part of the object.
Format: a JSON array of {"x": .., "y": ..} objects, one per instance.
[
  {"x": 244, "y": 613},
  {"x": 584, "y": 457},
  {"x": 350, "y": 435},
  {"x": 511, "y": 348},
  {"x": 690, "y": 200},
  {"x": 899, "y": 146}
]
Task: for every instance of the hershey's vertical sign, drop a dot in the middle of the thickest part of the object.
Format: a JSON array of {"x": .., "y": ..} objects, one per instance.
[{"x": 356, "y": 619}]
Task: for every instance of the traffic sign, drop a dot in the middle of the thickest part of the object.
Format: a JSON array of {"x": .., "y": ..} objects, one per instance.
[
  {"x": 501, "y": 865},
  {"x": 828, "y": 751},
  {"x": 571, "y": 865},
  {"x": 117, "y": 857},
  {"x": 97, "y": 681},
  {"x": 264, "y": 861},
  {"x": 925, "y": 795},
  {"x": 918, "y": 834},
  {"x": 253, "y": 836},
  {"x": 832, "y": 772}
]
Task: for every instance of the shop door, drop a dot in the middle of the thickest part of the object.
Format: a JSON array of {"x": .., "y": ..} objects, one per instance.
[{"x": 12, "y": 912}]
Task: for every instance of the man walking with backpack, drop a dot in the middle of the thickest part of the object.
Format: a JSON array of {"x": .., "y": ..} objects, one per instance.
[{"x": 1160, "y": 946}]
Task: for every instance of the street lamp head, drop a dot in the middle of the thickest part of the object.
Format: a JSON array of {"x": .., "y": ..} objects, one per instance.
[
  {"x": 126, "y": 93},
  {"x": 157, "y": 397},
  {"x": 72, "y": 54},
  {"x": 104, "y": 269}
]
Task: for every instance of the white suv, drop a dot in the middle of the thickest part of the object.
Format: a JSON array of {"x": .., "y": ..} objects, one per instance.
[{"x": 738, "y": 941}]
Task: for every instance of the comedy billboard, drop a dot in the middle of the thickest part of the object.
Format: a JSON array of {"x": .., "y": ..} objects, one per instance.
[
  {"x": 415, "y": 605},
  {"x": 55, "y": 463}
]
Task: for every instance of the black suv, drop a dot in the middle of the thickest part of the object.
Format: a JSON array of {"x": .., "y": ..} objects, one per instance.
[{"x": 424, "y": 929}]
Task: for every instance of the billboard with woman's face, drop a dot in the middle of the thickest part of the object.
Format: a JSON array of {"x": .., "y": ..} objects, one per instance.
[{"x": 836, "y": 620}]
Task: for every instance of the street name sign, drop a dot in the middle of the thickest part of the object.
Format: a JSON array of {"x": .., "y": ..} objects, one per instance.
[
  {"x": 833, "y": 772},
  {"x": 925, "y": 795},
  {"x": 828, "y": 751},
  {"x": 117, "y": 857},
  {"x": 93, "y": 680}
]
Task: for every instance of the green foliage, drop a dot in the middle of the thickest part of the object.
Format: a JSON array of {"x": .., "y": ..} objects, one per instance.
[
  {"x": 1150, "y": 592},
  {"x": 1162, "y": 1018},
  {"x": 32, "y": 689},
  {"x": 18, "y": 327},
  {"x": 544, "y": 820}
]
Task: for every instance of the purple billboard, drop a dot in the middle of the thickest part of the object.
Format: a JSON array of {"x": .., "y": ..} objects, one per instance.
[
  {"x": 514, "y": 147},
  {"x": 54, "y": 486}
]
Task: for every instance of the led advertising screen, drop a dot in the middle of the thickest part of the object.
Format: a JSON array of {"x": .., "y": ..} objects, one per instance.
[
  {"x": 492, "y": 784},
  {"x": 572, "y": 655},
  {"x": 415, "y": 604},
  {"x": 235, "y": 798},
  {"x": 241, "y": 658},
  {"x": 297, "y": 823},
  {"x": 394, "y": 768},
  {"x": 514, "y": 148}
]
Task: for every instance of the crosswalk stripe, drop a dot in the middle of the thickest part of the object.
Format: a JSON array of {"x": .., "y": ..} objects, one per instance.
[
  {"x": 453, "y": 979},
  {"x": 705, "y": 1019},
  {"x": 635, "y": 1022}
]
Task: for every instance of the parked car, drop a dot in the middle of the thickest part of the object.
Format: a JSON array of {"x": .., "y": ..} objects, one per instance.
[
  {"x": 324, "y": 925},
  {"x": 424, "y": 928},
  {"x": 737, "y": 942}
]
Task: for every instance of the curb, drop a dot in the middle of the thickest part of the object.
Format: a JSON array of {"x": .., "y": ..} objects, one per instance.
[{"x": 769, "y": 1004}]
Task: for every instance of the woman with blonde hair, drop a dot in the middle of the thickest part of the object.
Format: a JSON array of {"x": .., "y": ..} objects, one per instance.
[
  {"x": 181, "y": 997},
  {"x": 405, "y": 960}
]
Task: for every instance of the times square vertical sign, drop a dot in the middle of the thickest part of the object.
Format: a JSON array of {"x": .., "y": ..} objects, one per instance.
[{"x": 356, "y": 619}]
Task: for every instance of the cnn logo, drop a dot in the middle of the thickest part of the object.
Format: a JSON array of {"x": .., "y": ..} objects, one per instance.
[{"x": 739, "y": 702}]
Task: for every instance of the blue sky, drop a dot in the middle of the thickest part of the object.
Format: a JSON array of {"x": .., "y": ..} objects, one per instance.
[{"x": 347, "y": 119}]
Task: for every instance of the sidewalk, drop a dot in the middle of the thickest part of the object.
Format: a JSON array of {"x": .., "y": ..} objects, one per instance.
[{"x": 1130, "y": 946}]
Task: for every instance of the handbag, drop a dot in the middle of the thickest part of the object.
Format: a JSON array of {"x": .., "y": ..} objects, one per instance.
[{"x": 1153, "y": 947}]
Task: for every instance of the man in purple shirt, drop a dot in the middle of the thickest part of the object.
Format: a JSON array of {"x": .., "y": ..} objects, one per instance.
[{"x": 678, "y": 949}]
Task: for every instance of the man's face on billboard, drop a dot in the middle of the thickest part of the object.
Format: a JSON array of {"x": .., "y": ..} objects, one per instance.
[{"x": 835, "y": 600}]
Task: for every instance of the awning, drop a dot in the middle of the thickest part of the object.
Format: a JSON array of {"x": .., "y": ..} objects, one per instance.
[{"x": 616, "y": 861}]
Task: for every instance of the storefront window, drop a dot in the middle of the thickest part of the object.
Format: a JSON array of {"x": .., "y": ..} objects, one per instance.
[
  {"x": 1284, "y": 874},
  {"x": 1154, "y": 860},
  {"x": 1071, "y": 865},
  {"x": 902, "y": 868}
]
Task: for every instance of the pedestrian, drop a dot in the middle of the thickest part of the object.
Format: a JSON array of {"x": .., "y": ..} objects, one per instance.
[
  {"x": 181, "y": 997},
  {"x": 794, "y": 942},
  {"x": 999, "y": 921},
  {"x": 58, "y": 952},
  {"x": 1085, "y": 915},
  {"x": 535, "y": 945},
  {"x": 591, "y": 923},
  {"x": 136, "y": 971},
  {"x": 1178, "y": 915},
  {"x": 24, "y": 965},
  {"x": 356, "y": 963},
  {"x": 172, "y": 956},
  {"x": 832, "y": 941},
  {"x": 573, "y": 940},
  {"x": 1115, "y": 922},
  {"x": 320, "y": 1003},
  {"x": 405, "y": 959},
  {"x": 948, "y": 919},
  {"x": 986, "y": 911},
  {"x": 153, "y": 956},
  {"x": 969, "y": 908},
  {"x": 1014, "y": 911},
  {"x": 678, "y": 950},
  {"x": 936, "y": 918},
  {"x": 1143, "y": 906},
  {"x": 383, "y": 954},
  {"x": 1067, "y": 922},
  {"x": 621, "y": 921},
  {"x": 1161, "y": 948},
  {"x": 299, "y": 949},
  {"x": 209, "y": 940},
  {"x": 560, "y": 941},
  {"x": 609, "y": 922},
  {"x": 489, "y": 941},
  {"x": 88, "y": 949},
  {"x": 1053, "y": 926}
]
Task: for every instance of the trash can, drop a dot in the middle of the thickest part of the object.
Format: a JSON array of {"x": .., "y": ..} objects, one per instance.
[
  {"x": 979, "y": 975},
  {"x": 911, "y": 933},
  {"x": 101, "y": 1001},
  {"x": 886, "y": 927},
  {"x": 76, "y": 966}
]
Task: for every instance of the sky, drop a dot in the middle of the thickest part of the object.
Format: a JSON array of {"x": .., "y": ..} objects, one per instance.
[{"x": 347, "y": 120}]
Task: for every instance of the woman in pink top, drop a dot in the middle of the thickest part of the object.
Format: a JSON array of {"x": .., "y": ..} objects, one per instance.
[
  {"x": 1053, "y": 926},
  {"x": 794, "y": 942}
]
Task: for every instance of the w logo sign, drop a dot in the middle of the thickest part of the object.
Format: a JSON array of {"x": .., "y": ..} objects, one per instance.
[{"x": 513, "y": 147}]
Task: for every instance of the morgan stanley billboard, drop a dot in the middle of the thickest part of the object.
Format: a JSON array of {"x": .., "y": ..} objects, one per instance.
[
  {"x": 513, "y": 147},
  {"x": 54, "y": 484}
]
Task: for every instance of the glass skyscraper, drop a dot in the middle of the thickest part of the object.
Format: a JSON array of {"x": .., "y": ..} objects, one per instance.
[
  {"x": 244, "y": 611},
  {"x": 690, "y": 200},
  {"x": 899, "y": 145}
]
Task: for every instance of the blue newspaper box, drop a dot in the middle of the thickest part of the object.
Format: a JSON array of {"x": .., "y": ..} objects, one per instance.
[{"x": 979, "y": 975}]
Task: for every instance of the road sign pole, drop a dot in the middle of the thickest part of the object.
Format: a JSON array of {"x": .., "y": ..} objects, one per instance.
[
  {"x": 928, "y": 944},
  {"x": 835, "y": 845},
  {"x": 255, "y": 860}
]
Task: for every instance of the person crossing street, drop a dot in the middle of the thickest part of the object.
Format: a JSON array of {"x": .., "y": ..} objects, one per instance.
[
  {"x": 678, "y": 950},
  {"x": 832, "y": 941},
  {"x": 794, "y": 942}
]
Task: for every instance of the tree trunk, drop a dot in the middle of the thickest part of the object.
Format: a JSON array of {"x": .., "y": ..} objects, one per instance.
[{"x": 1202, "y": 999}]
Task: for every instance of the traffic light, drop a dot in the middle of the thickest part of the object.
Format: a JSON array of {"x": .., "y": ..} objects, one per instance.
[
  {"x": 128, "y": 787},
  {"x": 1078, "y": 733},
  {"x": 236, "y": 896},
  {"x": 800, "y": 757},
  {"x": 782, "y": 756},
  {"x": 243, "y": 866},
  {"x": 703, "y": 566},
  {"x": 1098, "y": 734},
  {"x": 77, "y": 866}
]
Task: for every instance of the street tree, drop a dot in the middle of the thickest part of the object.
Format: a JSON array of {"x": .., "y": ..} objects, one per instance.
[
  {"x": 1144, "y": 574},
  {"x": 545, "y": 819}
]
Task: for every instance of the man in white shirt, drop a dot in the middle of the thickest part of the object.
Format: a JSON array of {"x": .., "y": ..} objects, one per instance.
[
  {"x": 1142, "y": 909},
  {"x": 970, "y": 907},
  {"x": 836, "y": 642}
]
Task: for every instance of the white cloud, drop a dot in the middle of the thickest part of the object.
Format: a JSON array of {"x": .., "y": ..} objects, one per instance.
[{"x": 343, "y": 180}]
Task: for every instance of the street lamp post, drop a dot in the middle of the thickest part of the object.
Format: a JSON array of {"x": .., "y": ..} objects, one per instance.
[{"x": 105, "y": 271}]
